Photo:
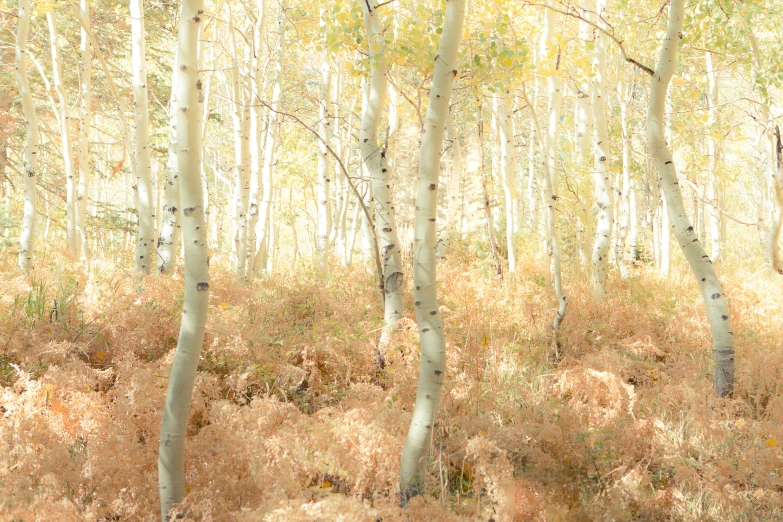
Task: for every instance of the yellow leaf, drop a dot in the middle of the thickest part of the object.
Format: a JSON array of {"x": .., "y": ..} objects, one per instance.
[
  {"x": 771, "y": 443},
  {"x": 224, "y": 304},
  {"x": 100, "y": 355},
  {"x": 326, "y": 484},
  {"x": 483, "y": 432}
]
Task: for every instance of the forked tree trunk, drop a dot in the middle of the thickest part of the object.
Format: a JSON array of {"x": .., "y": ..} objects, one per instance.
[
  {"x": 144, "y": 202},
  {"x": 379, "y": 170},
  {"x": 27, "y": 237},
  {"x": 428, "y": 316},
  {"x": 171, "y": 453},
  {"x": 699, "y": 261}
]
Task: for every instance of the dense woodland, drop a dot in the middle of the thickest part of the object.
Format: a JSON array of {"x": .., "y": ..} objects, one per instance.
[{"x": 362, "y": 261}]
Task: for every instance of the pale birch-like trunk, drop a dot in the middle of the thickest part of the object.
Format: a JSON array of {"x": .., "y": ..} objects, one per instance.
[
  {"x": 70, "y": 179},
  {"x": 144, "y": 202},
  {"x": 549, "y": 153},
  {"x": 241, "y": 144},
  {"x": 713, "y": 151},
  {"x": 171, "y": 453},
  {"x": 584, "y": 111},
  {"x": 27, "y": 237},
  {"x": 624, "y": 96},
  {"x": 601, "y": 173},
  {"x": 703, "y": 269},
  {"x": 379, "y": 171},
  {"x": 256, "y": 138},
  {"x": 452, "y": 188},
  {"x": 507, "y": 171},
  {"x": 264, "y": 230},
  {"x": 168, "y": 242},
  {"x": 428, "y": 315},
  {"x": 324, "y": 217},
  {"x": 83, "y": 146}
]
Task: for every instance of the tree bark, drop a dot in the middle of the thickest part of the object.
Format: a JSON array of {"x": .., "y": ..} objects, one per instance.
[
  {"x": 27, "y": 237},
  {"x": 699, "y": 261},
  {"x": 428, "y": 316},
  {"x": 168, "y": 242},
  {"x": 379, "y": 170},
  {"x": 144, "y": 201},
  {"x": 601, "y": 173},
  {"x": 452, "y": 188},
  {"x": 713, "y": 151},
  {"x": 324, "y": 223},
  {"x": 83, "y": 146},
  {"x": 507, "y": 174},
  {"x": 171, "y": 453}
]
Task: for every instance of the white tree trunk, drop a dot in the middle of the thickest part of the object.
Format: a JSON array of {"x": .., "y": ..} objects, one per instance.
[
  {"x": 256, "y": 138},
  {"x": 601, "y": 173},
  {"x": 624, "y": 95},
  {"x": 144, "y": 201},
  {"x": 584, "y": 112},
  {"x": 70, "y": 180},
  {"x": 264, "y": 231},
  {"x": 428, "y": 316},
  {"x": 171, "y": 453},
  {"x": 703, "y": 269},
  {"x": 324, "y": 218},
  {"x": 507, "y": 171},
  {"x": 379, "y": 170},
  {"x": 27, "y": 237},
  {"x": 83, "y": 146},
  {"x": 713, "y": 151},
  {"x": 241, "y": 150},
  {"x": 168, "y": 242},
  {"x": 452, "y": 188}
]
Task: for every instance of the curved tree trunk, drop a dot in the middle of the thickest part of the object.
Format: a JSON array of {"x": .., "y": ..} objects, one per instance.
[
  {"x": 699, "y": 261},
  {"x": 428, "y": 317},
  {"x": 171, "y": 453},
  {"x": 70, "y": 180},
  {"x": 374, "y": 158},
  {"x": 27, "y": 237}
]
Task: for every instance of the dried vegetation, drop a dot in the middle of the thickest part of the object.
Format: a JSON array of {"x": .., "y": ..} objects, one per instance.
[{"x": 292, "y": 420}]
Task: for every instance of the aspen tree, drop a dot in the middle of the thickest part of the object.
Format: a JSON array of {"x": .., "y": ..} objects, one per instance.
[
  {"x": 507, "y": 175},
  {"x": 699, "y": 261},
  {"x": 379, "y": 171},
  {"x": 428, "y": 316},
  {"x": 713, "y": 151},
  {"x": 264, "y": 230},
  {"x": 601, "y": 173},
  {"x": 70, "y": 181},
  {"x": 27, "y": 237},
  {"x": 171, "y": 453},
  {"x": 452, "y": 187},
  {"x": 83, "y": 141},
  {"x": 624, "y": 96},
  {"x": 168, "y": 242},
  {"x": 241, "y": 144},
  {"x": 256, "y": 138},
  {"x": 584, "y": 113},
  {"x": 143, "y": 187},
  {"x": 324, "y": 220}
]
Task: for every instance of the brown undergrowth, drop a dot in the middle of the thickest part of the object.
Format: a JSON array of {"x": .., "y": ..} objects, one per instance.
[{"x": 291, "y": 419}]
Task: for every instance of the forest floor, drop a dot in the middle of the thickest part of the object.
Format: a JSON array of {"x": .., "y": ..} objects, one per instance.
[{"x": 293, "y": 421}]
